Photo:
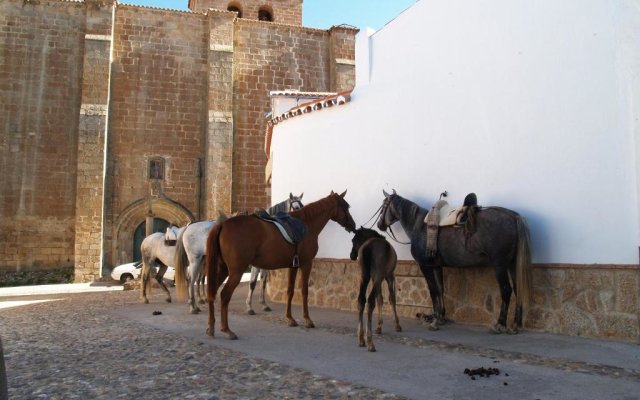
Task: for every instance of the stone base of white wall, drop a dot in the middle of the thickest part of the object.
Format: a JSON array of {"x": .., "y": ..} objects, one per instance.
[{"x": 579, "y": 300}]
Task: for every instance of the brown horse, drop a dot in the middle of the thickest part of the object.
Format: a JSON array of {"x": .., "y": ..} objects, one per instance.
[
  {"x": 241, "y": 241},
  {"x": 377, "y": 260}
]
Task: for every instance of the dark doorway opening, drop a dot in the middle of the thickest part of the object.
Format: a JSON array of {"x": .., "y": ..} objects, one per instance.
[{"x": 159, "y": 225}]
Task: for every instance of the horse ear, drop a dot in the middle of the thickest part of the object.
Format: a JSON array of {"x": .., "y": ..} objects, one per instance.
[
  {"x": 332, "y": 192},
  {"x": 394, "y": 191},
  {"x": 385, "y": 193},
  {"x": 344, "y": 193},
  {"x": 290, "y": 196},
  {"x": 301, "y": 194}
]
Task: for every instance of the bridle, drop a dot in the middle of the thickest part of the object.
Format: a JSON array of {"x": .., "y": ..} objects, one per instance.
[
  {"x": 383, "y": 211},
  {"x": 295, "y": 204}
]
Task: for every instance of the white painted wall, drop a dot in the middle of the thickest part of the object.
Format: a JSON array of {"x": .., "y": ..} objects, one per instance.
[{"x": 534, "y": 106}]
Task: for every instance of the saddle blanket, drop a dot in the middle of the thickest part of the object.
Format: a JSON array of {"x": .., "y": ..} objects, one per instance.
[{"x": 292, "y": 229}]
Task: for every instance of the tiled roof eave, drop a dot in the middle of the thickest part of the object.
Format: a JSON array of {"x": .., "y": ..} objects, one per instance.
[{"x": 335, "y": 99}]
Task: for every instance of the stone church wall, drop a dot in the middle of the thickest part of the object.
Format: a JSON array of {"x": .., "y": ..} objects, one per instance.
[
  {"x": 117, "y": 115},
  {"x": 40, "y": 75}
]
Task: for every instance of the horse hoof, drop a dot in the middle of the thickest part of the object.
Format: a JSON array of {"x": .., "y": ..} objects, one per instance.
[
  {"x": 210, "y": 332},
  {"x": 292, "y": 322},
  {"x": 398, "y": 328},
  {"x": 371, "y": 348},
  {"x": 498, "y": 329},
  {"x": 168, "y": 300},
  {"x": 251, "y": 312},
  {"x": 361, "y": 343},
  {"x": 378, "y": 331},
  {"x": 309, "y": 324},
  {"x": 513, "y": 330},
  {"x": 145, "y": 301},
  {"x": 266, "y": 308},
  {"x": 202, "y": 301},
  {"x": 230, "y": 335},
  {"x": 195, "y": 311},
  {"x": 434, "y": 326}
]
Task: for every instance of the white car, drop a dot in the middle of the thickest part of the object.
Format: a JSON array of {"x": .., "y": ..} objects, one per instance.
[{"x": 132, "y": 270}]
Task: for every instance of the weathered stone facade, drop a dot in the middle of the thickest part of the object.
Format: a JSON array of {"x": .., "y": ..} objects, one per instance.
[
  {"x": 583, "y": 300},
  {"x": 115, "y": 115}
]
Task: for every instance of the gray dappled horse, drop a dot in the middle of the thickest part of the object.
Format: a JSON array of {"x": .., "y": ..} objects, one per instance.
[
  {"x": 191, "y": 251},
  {"x": 377, "y": 260},
  {"x": 500, "y": 240},
  {"x": 157, "y": 254}
]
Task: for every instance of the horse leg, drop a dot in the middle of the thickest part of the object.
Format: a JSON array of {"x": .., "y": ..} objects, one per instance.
[
  {"x": 380, "y": 302},
  {"x": 505, "y": 294},
  {"x": 371, "y": 304},
  {"x": 200, "y": 281},
  {"x": 391, "y": 284},
  {"x": 146, "y": 272},
  {"x": 252, "y": 287},
  {"x": 212, "y": 291},
  {"x": 293, "y": 272},
  {"x": 517, "y": 317},
  {"x": 306, "y": 271},
  {"x": 440, "y": 282},
  {"x": 364, "y": 282},
  {"x": 159, "y": 278},
  {"x": 225, "y": 298},
  {"x": 193, "y": 277},
  {"x": 263, "y": 276},
  {"x": 429, "y": 275}
]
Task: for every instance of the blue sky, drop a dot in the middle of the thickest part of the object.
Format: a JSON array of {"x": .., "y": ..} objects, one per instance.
[{"x": 323, "y": 13}]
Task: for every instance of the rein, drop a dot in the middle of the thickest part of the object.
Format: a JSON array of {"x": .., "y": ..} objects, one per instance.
[
  {"x": 393, "y": 236},
  {"x": 381, "y": 210},
  {"x": 375, "y": 214}
]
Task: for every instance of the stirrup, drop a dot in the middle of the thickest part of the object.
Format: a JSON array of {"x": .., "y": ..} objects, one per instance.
[{"x": 296, "y": 261}]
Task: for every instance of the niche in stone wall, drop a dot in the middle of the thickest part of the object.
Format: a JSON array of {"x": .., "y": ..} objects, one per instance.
[
  {"x": 156, "y": 168},
  {"x": 265, "y": 14},
  {"x": 235, "y": 7}
]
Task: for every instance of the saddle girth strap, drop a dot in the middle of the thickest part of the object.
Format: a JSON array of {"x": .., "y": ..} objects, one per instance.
[
  {"x": 433, "y": 225},
  {"x": 296, "y": 260}
]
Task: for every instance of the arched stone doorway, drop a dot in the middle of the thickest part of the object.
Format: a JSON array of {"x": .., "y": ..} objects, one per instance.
[
  {"x": 159, "y": 225},
  {"x": 130, "y": 228}
]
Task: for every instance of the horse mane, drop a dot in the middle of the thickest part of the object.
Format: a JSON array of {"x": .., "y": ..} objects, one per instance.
[
  {"x": 411, "y": 213},
  {"x": 313, "y": 209},
  {"x": 282, "y": 206}
]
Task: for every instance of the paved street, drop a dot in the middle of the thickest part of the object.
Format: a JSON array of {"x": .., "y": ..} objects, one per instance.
[{"x": 107, "y": 344}]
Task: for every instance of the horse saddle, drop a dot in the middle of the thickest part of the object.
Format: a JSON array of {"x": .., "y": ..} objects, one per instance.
[
  {"x": 442, "y": 214},
  {"x": 292, "y": 229}
]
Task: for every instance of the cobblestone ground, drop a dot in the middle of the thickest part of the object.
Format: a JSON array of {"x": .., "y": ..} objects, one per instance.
[{"x": 73, "y": 349}]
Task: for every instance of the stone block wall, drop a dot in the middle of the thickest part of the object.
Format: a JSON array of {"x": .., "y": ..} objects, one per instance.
[
  {"x": 158, "y": 103},
  {"x": 586, "y": 300},
  {"x": 114, "y": 115},
  {"x": 276, "y": 57},
  {"x": 283, "y": 11},
  {"x": 40, "y": 76}
]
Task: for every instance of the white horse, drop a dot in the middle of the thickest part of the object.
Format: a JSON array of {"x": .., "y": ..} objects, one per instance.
[
  {"x": 158, "y": 253},
  {"x": 191, "y": 250}
]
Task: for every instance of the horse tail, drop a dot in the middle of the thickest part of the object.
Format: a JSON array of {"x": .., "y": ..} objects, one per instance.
[
  {"x": 523, "y": 262},
  {"x": 180, "y": 263},
  {"x": 212, "y": 257}
]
